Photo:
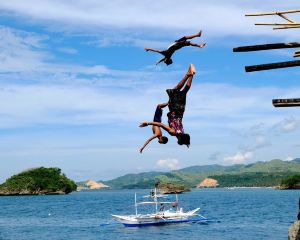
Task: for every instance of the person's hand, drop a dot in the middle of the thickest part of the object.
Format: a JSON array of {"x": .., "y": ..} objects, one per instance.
[
  {"x": 203, "y": 45},
  {"x": 147, "y": 49},
  {"x": 141, "y": 150},
  {"x": 144, "y": 124}
]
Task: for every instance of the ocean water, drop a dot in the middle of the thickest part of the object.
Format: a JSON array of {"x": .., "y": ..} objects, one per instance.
[{"x": 239, "y": 214}]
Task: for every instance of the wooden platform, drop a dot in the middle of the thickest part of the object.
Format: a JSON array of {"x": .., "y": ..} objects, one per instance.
[
  {"x": 269, "y": 66},
  {"x": 290, "y": 102},
  {"x": 266, "y": 47}
]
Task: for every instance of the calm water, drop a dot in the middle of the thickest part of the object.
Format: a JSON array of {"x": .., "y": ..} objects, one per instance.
[{"x": 240, "y": 214}]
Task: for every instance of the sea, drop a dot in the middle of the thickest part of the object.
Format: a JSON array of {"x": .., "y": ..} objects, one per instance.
[{"x": 246, "y": 213}]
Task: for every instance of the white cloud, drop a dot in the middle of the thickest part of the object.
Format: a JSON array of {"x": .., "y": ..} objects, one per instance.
[
  {"x": 20, "y": 51},
  {"x": 287, "y": 125},
  {"x": 219, "y": 18},
  {"x": 239, "y": 157},
  {"x": 171, "y": 164}
]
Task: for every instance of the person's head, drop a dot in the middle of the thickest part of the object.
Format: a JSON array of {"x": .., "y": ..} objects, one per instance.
[
  {"x": 183, "y": 139},
  {"x": 168, "y": 61},
  {"x": 163, "y": 140}
]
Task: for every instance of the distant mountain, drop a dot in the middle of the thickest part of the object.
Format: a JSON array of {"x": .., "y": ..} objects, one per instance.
[
  {"x": 255, "y": 174},
  {"x": 131, "y": 181},
  {"x": 296, "y": 160}
]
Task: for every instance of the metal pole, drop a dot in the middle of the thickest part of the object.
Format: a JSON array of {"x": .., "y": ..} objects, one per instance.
[{"x": 136, "y": 213}]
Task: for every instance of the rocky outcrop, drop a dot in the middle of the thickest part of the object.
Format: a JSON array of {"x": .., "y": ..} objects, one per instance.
[
  {"x": 294, "y": 231},
  {"x": 171, "y": 188},
  {"x": 91, "y": 185},
  {"x": 94, "y": 185},
  {"x": 208, "y": 183}
]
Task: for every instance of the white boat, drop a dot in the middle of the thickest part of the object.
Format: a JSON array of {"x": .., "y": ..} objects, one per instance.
[{"x": 160, "y": 216}]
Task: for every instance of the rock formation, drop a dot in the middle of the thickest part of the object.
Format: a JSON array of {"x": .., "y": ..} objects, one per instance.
[
  {"x": 171, "y": 188},
  {"x": 208, "y": 183},
  {"x": 91, "y": 185},
  {"x": 294, "y": 230}
]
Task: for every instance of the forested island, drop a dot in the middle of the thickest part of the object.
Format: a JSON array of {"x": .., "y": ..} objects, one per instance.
[{"x": 38, "y": 181}]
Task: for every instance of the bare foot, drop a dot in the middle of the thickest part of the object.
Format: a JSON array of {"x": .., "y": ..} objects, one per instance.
[
  {"x": 202, "y": 45},
  {"x": 192, "y": 70}
]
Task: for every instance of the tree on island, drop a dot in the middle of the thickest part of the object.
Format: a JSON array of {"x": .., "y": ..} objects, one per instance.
[
  {"x": 38, "y": 181},
  {"x": 291, "y": 182}
]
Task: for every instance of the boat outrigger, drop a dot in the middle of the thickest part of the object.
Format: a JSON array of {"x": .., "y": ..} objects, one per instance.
[{"x": 161, "y": 216}]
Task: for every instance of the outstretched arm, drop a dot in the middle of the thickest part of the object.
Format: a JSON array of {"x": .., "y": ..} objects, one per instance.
[
  {"x": 152, "y": 50},
  {"x": 161, "y": 60},
  {"x": 148, "y": 141},
  {"x": 158, "y": 124}
]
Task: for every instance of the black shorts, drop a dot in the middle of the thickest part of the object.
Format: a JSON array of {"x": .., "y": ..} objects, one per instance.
[{"x": 157, "y": 115}]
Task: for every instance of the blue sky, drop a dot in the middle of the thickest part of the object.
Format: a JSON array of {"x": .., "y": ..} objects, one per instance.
[{"x": 75, "y": 84}]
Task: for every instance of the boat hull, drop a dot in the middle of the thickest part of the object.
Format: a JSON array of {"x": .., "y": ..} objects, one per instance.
[{"x": 130, "y": 221}]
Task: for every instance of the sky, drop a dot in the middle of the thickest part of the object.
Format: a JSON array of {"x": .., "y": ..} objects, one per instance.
[{"x": 75, "y": 82}]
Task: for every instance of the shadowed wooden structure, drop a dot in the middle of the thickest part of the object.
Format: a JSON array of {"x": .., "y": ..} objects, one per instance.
[
  {"x": 267, "y": 47},
  {"x": 290, "y": 102},
  {"x": 270, "y": 66},
  {"x": 288, "y": 24}
]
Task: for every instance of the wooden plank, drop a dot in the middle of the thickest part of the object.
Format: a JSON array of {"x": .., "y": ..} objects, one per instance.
[
  {"x": 270, "y": 66},
  {"x": 286, "y": 18},
  {"x": 290, "y": 102},
  {"x": 272, "y": 13},
  {"x": 266, "y": 47},
  {"x": 277, "y": 28},
  {"x": 278, "y": 24}
]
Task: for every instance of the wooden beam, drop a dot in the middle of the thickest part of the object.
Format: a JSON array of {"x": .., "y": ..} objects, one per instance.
[
  {"x": 290, "y": 102},
  {"x": 266, "y": 47},
  {"x": 270, "y": 66},
  {"x": 278, "y": 24},
  {"x": 277, "y": 28},
  {"x": 272, "y": 13}
]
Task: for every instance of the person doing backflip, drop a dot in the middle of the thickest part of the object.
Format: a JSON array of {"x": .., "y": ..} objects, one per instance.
[
  {"x": 177, "y": 102},
  {"x": 155, "y": 129},
  {"x": 180, "y": 43}
]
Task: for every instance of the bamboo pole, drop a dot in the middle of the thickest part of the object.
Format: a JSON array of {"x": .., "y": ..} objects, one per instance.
[
  {"x": 272, "y": 13},
  {"x": 286, "y": 18},
  {"x": 291, "y": 102},
  {"x": 270, "y": 66},
  {"x": 278, "y": 28},
  {"x": 278, "y": 24},
  {"x": 266, "y": 47}
]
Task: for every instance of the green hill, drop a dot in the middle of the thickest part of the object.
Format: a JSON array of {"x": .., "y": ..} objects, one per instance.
[
  {"x": 38, "y": 181},
  {"x": 256, "y": 174}
]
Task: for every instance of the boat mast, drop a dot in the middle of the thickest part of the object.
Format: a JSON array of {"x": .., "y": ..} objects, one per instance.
[
  {"x": 176, "y": 202},
  {"x": 135, "y": 204},
  {"x": 155, "y": 199}
]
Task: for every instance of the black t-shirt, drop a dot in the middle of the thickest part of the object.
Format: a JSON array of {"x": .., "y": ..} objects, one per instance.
[{"x": 177, "y": 101}]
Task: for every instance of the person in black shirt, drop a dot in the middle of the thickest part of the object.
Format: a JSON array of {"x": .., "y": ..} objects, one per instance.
[{"x": 178, "y": 44}]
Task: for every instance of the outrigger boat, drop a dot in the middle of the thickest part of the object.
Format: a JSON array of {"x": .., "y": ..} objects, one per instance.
[{"x": 161, "y": 216}]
